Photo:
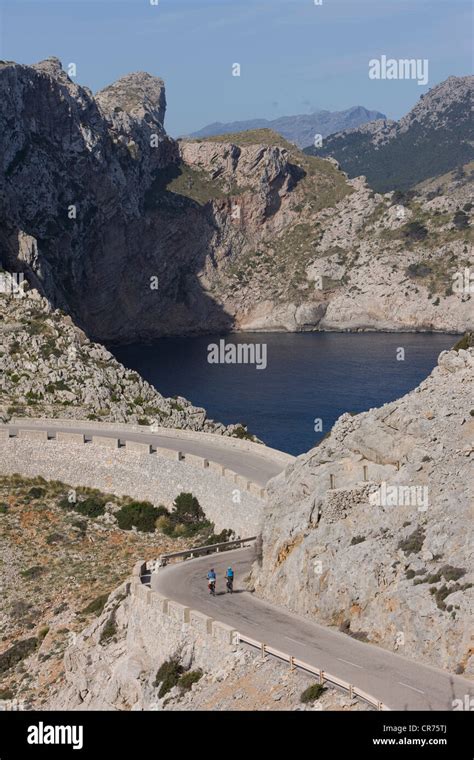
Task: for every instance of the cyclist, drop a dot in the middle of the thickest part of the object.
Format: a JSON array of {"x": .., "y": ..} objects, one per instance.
[
  {"x": 211, "y": 581},
  {"x": 229, "y": 575}
]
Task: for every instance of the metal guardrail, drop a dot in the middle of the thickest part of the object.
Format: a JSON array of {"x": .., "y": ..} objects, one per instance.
[
  {"x": 198, "y": 550},
  {"x": 322, "y": 675}
]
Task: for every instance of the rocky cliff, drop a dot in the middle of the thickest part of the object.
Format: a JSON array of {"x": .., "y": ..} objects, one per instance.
[
  {"x": 136, "y": 235},
  {"x": 49, "y": 368},
  {"x": 435, "y": 137},
  {"x": 370, "y": 531}
]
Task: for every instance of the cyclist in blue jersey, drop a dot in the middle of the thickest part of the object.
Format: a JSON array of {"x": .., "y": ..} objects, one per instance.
[
  {"x": 229, "y": 576},
  {"x": 211, "y": 581}
]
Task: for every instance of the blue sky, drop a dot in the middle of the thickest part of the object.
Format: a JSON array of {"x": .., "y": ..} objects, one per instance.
[{"x": 295, "y": 57}]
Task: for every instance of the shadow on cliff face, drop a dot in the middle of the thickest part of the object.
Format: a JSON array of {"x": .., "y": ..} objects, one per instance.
[
  {"x": 91, "y": 225},
  {"x": 154, "y": 288}
]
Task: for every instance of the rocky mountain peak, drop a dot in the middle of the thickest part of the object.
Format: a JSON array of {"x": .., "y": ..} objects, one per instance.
[
  {"x": 51, "y": 65},
  {"x": 139, "y": 94},
  {"x": 433, "y": 138},
  {"x": 436, "y": 105}
]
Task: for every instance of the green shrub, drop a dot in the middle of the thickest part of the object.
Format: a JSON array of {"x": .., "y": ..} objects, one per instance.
[
  {"x": 109, "y": 630},
  {"x": 187, "y": 679},
  {"x": 461, "y": 220},
  {"x": 6, "y": 694},
  {"x": 357, "y": 540},
  {"x": 418, "y": 270},
  {"x": 33, "y": 572},
  {"x": 3, "y": 509},
  {"x": 36, "y": 492},
  {"x": 243, "y": 434},
  {"x": 414, "y": 543},
  {"x": 16, "y": 653},
  {"x": 43, "y": 632},
  {"x": 187, "y": 519},
  {"x": 451, "y": 573},
  {"x": 220, "y": 538},
  {"x": 187, "y": 510},
  {"x": 64, "y": 503},
  {"x": 168, "y": 676},
  {"x": 467, "y": 341},
  {"x": 55, "y": 538},
  {"x": 140, "y": 514},
  {"x": 415, "y": 231},
  {"x": 165, "y": 525},
  {"x": 96, "y": 606},
  {"x": 312, "y": 693},
  {"x": 441, "y": 593},
  {"x": 92, "y": 506}
]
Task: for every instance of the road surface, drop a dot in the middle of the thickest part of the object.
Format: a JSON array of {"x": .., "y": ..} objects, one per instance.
[
  {"x": 258, "y": 468},
  {"x": 400, "y": 683}
]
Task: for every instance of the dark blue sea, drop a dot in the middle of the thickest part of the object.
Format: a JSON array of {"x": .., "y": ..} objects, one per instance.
[{"x": 308, "y": 376}]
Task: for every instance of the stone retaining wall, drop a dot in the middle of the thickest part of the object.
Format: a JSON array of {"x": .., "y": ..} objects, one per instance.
[
  {"x": 136, "y": 473},
  {"x": 155, "y": 630},
  {"x": 189, "y": 435},
  {"x": 157, "y": 613}
]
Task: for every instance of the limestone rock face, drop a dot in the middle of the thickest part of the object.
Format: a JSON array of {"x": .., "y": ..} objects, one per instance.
[
  {"x": 370, "y": 531},
  {"x": 139, "y": 96},
  {"x": 134, "y": 108},
  {"x": 49, "y": 368},
  {"x": 136, "y": 235}
]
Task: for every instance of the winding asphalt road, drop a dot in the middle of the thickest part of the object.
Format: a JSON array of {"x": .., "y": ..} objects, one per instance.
[
  {"x": 400, "y": 683},
  {"x": 255, "y": 466}
]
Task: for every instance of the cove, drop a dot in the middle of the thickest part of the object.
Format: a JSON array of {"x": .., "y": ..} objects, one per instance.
[{"x": 309, "y": 376}]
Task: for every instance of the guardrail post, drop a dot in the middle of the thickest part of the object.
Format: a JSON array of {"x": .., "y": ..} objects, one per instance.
[
  {"x": 263, "y": 650},
  {"x": 321, "y": 676},
  {"x": 351, "y": 691},
  {"x": 379, "y": 706},
  {"x": 292, "y": 663}
]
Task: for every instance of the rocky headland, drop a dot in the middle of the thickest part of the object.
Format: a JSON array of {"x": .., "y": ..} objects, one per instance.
[
  {"x": 49, "y": 368},
  {"x": 136, "y": 235}
]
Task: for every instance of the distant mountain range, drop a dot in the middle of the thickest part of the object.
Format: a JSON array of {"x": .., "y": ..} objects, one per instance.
[
  {"x": 435, "y": 137},
  {"x": 299, "y": 129}
]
